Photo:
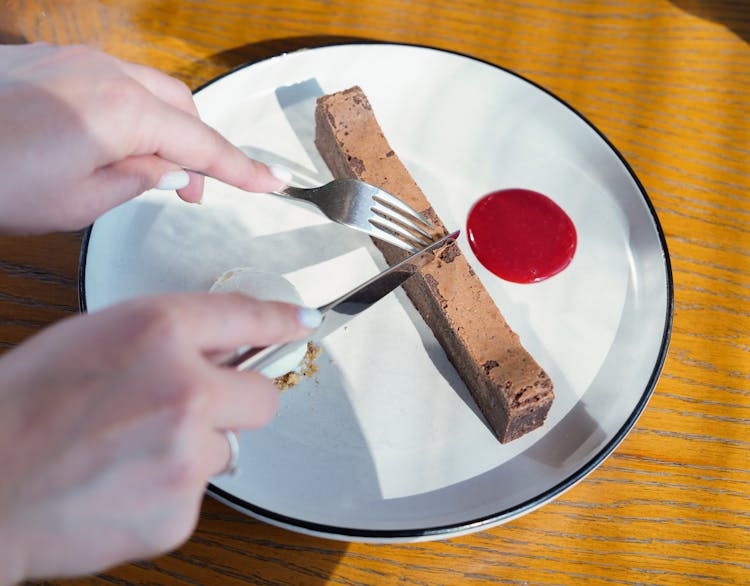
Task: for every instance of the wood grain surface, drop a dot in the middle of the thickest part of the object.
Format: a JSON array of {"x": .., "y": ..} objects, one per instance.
[{"x": 668, "y": 83}]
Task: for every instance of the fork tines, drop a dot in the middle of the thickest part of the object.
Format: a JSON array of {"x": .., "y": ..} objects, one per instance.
[{"x": 400, "y": 221}]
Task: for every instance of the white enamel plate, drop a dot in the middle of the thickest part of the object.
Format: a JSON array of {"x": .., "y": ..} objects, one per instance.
[{"x": 384, "y": 443}]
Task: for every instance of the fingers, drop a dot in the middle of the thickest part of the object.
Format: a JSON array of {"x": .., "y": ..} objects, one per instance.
[
  {"x": 222, "y": 457},
  {"x": 182, "y": 138},
  {"x": 225, "y": 321},
  {"x": 171, "y": 337},
  {"x": 128, "y": 177},
  {"x": 185, "y": 140},
  {"x": 163, "y": 86},
  {"x": 193, "y": 192},
  {"x": 177, "y": 94},
  {"x": 243, "y": 400},
  {"x": 218, "y": 453},
  {"x": 204, "y": 323},
  {"x": 125, "y": 179}
]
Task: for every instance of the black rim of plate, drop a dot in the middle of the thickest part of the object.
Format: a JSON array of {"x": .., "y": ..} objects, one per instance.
[{"x": 446, "y": 531}]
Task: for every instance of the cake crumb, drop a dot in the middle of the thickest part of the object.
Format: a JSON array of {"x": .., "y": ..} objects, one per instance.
[{"x": 307, "y": 369}]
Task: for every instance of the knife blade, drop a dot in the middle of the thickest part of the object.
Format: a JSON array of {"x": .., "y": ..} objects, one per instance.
[{"x": 343, "y": 309}]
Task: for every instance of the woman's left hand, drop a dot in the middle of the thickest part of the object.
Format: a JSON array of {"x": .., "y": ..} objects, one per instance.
[{"x": 83, "y": 131}]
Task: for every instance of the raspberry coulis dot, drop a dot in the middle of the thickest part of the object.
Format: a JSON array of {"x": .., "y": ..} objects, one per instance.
[{"x": 521, "y": 235}]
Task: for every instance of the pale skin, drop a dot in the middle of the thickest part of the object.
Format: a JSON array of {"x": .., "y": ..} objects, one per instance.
[{"x": 111, "y": 424}]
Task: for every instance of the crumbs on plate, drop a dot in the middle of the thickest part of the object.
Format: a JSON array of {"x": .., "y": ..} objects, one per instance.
[{"x": 307, "y": 368}]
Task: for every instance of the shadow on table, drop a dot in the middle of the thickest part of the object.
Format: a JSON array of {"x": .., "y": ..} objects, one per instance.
[
  {"x": 253, "y": 52},
  {"x": 266, "y": 554},
  {"x": 11, "y": 38},
  {"x": 729, "y": 13}
]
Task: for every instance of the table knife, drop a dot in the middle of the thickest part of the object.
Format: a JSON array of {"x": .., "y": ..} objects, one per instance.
[{"x": 345, "y": 308}]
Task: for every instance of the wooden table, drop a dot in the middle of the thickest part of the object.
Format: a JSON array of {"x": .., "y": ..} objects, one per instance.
[{"x": 668, "y": 82}]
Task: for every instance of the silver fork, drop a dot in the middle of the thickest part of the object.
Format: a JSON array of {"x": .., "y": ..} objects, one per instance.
[{"x": 368, "y": 209}]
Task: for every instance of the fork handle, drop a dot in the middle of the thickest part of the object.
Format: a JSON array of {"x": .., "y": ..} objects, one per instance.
[{"x": 298, "y": 193}]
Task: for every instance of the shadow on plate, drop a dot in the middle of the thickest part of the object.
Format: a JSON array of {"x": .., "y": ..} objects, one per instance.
[
  {"x": 168, "y": 259},
  {"x": 729, "y": 13},
  {"x": 298, "y": 102}
]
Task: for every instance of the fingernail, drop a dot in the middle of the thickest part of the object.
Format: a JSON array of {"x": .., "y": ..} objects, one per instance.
[
  {"x": 174, "y": 180},
  {"x": 281, "y": 173},
  {"x": 309, "y": 317}
]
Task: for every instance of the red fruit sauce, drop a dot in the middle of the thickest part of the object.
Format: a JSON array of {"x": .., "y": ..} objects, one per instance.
[{"x": 521, "y": 235}]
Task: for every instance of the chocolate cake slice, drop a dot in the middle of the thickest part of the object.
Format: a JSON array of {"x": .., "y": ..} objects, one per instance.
[{"x": 513, "y": 392}]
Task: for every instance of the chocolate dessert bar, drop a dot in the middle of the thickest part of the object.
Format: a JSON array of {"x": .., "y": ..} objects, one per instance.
[{"x": 513, "y": 392}]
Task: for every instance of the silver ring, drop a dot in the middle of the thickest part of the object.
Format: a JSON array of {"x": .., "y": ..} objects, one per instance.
[{"x": 232, "y": 467}]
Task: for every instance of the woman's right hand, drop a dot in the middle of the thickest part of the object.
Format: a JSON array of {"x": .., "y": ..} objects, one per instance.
[{"x": 112, "y": 423}]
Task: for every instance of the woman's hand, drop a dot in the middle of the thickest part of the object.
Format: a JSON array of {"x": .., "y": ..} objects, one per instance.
[
  {"x": 83, "y": 131},
  {"x": 112, "y": 423}
]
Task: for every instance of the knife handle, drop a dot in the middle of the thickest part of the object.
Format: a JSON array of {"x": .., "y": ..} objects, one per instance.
[{"x": 263, "y": 356}]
